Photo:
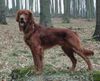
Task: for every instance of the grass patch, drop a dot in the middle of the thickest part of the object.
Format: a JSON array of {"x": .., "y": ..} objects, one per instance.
[
  {"x": 53, "y": 73},
  {"x": 22, "y": 72},
  {"x": 17, "y": 52},
  {"x": 96, "y": 75}
]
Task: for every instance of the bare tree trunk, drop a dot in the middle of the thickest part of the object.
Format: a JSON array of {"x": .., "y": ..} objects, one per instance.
[
  {"x": 60, "y": 8},
  {"x": 17, "y": 5},
  {"x": 78, "y": 9},
  {"x": 89, "y": 9},
  {"x": 21, "y": 4},
  {"x": 52, "y": 8},
  {"x": 56, "y": 7},
  {"x": 31, "y": 5},
  {"x": 36, "y": 6},
  {"x": 25, "y": 4},
  {"x": 7, "y": 4},
  {"x": 82, "y": 9},
  {"x": 2, "y": 12},
  {"x": 45, "y": 16},
  {"x": 13, "y": 7},
  {"x": 92, "y": 8},
  {"x": 74, "y": 9},
  {"x": 96, "y": 34},
  {"x": 66, "y": 16},
  {"x": 7, "y": 7}
]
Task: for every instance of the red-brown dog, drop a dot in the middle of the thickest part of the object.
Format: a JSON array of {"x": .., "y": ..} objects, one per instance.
[{"x": 39, "y": 38}]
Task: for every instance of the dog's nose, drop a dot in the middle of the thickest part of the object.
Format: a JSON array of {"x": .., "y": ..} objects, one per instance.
[{"x": 21, "y": 19}]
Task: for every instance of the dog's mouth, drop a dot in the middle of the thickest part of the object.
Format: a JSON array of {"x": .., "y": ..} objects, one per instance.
[{"x": 22, "y": 23}]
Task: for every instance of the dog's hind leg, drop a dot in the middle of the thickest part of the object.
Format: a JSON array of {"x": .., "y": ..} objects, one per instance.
[
  {"x": 81, "y": 54},
  {"x": 70, "y": 53},
  {"x": 75, "y": 44}
]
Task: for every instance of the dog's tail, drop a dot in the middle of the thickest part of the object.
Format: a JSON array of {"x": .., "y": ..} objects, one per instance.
[{"x": 87, "y": 52}]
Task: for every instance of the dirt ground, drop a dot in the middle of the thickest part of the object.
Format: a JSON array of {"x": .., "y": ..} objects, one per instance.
[{"x": 15, "y": 54}]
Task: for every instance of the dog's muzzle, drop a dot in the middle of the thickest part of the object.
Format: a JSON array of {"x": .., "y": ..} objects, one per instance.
[
  {"x": 21, "y": 24},
  {"x": 22, "y": 21}
]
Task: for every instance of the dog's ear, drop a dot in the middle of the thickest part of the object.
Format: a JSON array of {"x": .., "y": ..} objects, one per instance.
[
  {"x": 17, "y": 16},
  {"x": 31, "y": 17}
]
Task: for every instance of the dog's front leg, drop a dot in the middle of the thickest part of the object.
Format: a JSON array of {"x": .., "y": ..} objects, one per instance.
[{"x": 37, "y": 53}]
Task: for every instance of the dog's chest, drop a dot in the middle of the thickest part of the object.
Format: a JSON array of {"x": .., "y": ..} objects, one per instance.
[{"x": 27, "y": 41}]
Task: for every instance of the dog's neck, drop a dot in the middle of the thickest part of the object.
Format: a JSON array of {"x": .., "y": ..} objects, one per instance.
[{"x": 30, "y": 29}]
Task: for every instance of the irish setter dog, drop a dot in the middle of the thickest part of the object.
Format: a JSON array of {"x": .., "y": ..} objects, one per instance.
[{"x": 39, "y": 38}]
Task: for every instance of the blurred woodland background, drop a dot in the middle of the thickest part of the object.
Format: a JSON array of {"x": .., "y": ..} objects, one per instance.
[
  {"x": 47, "y": 9},
  {"x": 82, "y": 16},
  {"x": 51, "y": 8}
]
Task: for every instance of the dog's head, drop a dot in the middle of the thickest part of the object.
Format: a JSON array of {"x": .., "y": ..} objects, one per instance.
[{"x": 24, "y": 17}]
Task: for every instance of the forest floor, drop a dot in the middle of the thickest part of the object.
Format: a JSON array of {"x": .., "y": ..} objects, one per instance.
[{"x": 14, "y": 53}]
